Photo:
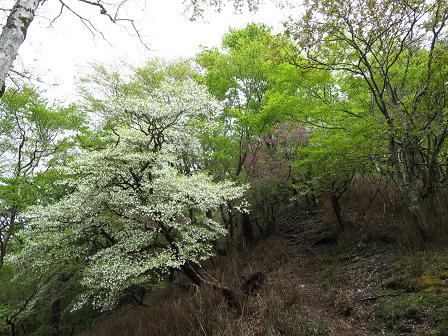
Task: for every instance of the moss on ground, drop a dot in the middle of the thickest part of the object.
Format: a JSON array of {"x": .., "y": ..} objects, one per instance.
[{"x": 423, "y": 280}]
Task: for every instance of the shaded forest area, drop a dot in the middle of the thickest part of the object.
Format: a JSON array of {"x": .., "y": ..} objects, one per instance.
[{"x": 281, "y": 184}]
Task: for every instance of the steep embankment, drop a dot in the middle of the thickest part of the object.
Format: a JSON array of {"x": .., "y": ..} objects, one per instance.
[
  {"x": 337, "y": 287},
  {"x": 367, "y": 287},
  {"x": 311, "y": 285}
]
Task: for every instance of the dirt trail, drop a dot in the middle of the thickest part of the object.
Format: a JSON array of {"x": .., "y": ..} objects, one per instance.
[{"x": 338, "y": 288}]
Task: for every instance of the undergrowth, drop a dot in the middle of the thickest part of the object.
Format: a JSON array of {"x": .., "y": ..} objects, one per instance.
[
  {"x": 421, "y": 308},
  {"x": 274, "y": 311}
]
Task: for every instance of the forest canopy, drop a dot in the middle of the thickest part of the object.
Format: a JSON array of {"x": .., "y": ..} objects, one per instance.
[{"x": 163, "y": 166}]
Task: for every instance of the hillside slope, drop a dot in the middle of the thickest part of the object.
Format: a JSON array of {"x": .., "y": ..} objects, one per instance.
[{"x": 311, "y": 285}]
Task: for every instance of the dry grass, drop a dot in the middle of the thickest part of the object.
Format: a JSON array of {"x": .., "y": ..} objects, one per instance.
[
  {"x": 376, "y": 211},
  {"x": 372, "y": 212},
  {"x": 174, "y": 311}
]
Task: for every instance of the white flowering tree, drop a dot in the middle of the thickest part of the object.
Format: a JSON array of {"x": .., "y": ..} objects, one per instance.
[{"x": 140, "y": 208}]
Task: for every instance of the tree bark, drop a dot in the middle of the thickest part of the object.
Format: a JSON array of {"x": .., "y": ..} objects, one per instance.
[
  {"x": 248, "y": 230},
  {"x": 12, "y": 328},
  {"x": 408, "y": 181},
  {"x": 192, "y": 272},
  {"x": 337, "y": 210},
  {"x": 56, "y": 316},
  {"x": 199, "y": 277},
  {"x": 7, "y": 235},
  {"x": 411, "y": 195},
  {"x": 13, "y": 35}
]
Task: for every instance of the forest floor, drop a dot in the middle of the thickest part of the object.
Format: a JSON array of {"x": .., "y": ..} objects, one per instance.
[
  {"x": 314, "y": 286},
  {"x": 372, "y": 288},
  {"x": 337, "y": 288}
]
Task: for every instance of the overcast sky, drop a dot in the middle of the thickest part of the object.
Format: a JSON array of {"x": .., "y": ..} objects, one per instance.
[{"x": 60, "y": 53}]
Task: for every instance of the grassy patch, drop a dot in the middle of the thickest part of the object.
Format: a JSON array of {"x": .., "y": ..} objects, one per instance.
[
  {"x": 423, "y": 271},
  {"x": 340, "y": 303},
  {"x": 423, "y": 278}
]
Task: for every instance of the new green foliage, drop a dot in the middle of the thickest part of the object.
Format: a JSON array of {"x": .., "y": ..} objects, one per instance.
[{"x": 139, "y": 209}]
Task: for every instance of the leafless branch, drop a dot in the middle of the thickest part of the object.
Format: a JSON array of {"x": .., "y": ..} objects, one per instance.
[
  {"x": 114, "y": 18},
  {"x": 85, "y": 21}
]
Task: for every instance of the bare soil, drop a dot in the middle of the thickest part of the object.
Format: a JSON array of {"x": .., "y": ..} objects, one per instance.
[{"x": 338, "y": 286}]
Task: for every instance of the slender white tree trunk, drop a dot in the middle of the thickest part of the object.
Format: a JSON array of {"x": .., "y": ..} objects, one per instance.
[{"x": 14, "y": 33}]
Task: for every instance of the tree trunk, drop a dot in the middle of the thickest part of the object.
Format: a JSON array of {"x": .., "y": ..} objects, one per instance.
[
  {"x": 337, "y": 210},
  {"x": 413, "y": 206},
  {"x": 432, "y": 174},
  {"x": 248, "y": 230},
  {"x": 192, "y": 272},
  {"x": 408, "y": 181},
  {"x": 12, "y": 327},
  {"x": 199, "y": 278},
  {"x": 13, "y": 35},
  {"x": 56, "y": 316},
  {"x": 7, "y": 235}
]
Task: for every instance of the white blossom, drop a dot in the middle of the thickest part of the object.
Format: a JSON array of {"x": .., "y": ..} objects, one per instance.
[{"x": 137, "y": 212}]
